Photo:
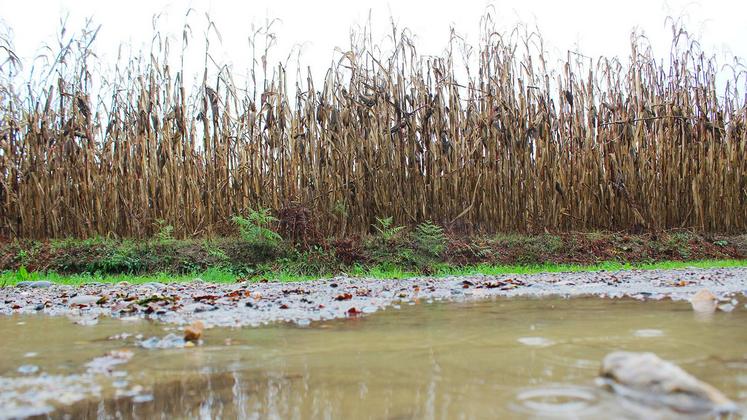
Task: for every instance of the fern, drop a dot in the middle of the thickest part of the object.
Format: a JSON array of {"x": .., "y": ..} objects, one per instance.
[
  {"x": 165, "y": 233},
  {"x": 387, "y": 232},
  {"x": 430, "y": 238},
  {"x": 255, "y": 228}
]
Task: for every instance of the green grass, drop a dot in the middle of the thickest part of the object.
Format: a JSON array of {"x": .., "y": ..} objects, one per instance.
[
  {"x": 566, "y": 268},
  {"x": 383, "y": 272}
]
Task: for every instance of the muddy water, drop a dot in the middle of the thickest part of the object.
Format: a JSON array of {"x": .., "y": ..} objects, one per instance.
[{"x": 518, "y": 358}]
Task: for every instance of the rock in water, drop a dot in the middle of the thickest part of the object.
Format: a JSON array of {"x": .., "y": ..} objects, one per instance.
[
  {"x": 170, "y": 341},
  {"x": 84, "y": 300},
  {"x": 194, "y": 331},
  {"x": 704, "y": 301},
  {"x": 648, "y": 379}
]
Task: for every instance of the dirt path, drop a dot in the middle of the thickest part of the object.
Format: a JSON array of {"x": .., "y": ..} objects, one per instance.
[{"x": 252, "y": 304}]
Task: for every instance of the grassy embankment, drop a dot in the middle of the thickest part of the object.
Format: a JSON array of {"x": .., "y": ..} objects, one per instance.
[{"x": 390, "y": 253}]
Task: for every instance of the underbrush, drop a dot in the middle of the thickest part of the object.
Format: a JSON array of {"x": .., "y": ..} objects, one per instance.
[
  {"x": 215, "y": 275},
  {"x": 425, "y": 250}
]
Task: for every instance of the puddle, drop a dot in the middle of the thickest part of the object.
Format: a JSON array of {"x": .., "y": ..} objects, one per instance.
[{"x": 503, "y": 358}]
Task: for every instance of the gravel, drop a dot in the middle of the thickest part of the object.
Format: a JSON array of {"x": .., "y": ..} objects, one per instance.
[{"x": 254, "y": 304}]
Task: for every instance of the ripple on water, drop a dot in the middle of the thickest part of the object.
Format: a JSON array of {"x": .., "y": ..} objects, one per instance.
[
  {"x": 648, "y": 333},
  {"x": 27, "y": 396},
  {"x": 556, "y": 400}
]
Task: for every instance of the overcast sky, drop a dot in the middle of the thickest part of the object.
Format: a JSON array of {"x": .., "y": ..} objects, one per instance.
[{"x": 593, "y": 26}]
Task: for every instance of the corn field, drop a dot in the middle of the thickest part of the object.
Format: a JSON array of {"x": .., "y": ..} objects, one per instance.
[{"x": 482, "y": 138}]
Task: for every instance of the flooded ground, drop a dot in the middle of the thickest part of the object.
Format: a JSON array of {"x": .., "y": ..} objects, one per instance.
[{"x": 496, "y": 358}]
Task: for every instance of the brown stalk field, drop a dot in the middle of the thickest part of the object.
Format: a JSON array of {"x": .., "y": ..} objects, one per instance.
[{"x": 486, "y": 138}]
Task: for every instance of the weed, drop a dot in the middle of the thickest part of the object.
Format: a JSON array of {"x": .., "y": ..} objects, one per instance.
[
  {"x": 387, "y": 232},
  {"x": 255, "y": 228},
  {"x": 22, "y": 274},
  {"x": 316, "y": 261},
  {"x": 121, "y": 258},
  {"x": 676, "y": 245},
  {"x": 530, "y": 249},
  {"x": 217, "y": 253},
  {"x": 164, "y": 231},
  {"x": 430, "y": 239}
]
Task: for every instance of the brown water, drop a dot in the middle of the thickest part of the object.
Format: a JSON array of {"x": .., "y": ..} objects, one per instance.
[{"x": 492, "y": 359}]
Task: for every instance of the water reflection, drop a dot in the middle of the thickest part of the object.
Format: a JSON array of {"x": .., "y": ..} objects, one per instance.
[{"x": 501, "y": 359}]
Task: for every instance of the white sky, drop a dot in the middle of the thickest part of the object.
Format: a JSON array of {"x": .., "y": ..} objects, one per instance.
[{"x": 593, "y": 27}]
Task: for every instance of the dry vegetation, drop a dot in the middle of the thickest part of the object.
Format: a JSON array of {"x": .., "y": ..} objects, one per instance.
[{"x": 513, "y": 144}]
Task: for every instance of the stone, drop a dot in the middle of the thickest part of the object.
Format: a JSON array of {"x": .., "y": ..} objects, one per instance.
[
  {"x": 704, "y": 301},
  {"x": 107, "y": 363},
  {"x": 193, "y": 332},
  {"x": 197, "y": 308},
  {"x": 646, "y": 378},
  {"x": 170, "y": 341},
  {"x": 83, "y": 300},
  {"x": 38, "y": 284},
  {"x": 28, "y": 369},
  {"x": 150, "y": 286},
  {"x": 726, "y": 307}
]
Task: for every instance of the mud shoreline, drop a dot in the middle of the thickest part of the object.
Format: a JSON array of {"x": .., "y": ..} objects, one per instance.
[{"x": 253, "y": 304}]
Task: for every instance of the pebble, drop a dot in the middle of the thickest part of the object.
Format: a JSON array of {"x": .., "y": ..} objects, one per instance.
[
  {"x": 651, "y": 380},
  {"x": 40, "y": 284},
  {"x": 726, "y": 307},
  {"x": 194, "y": 331},
  {"x": 169, "y": 341},
  {"x": 152, "y": 285},
  {"x": 83, "y": 300},
  {"x": 197, "y": 308},
  {"x": 28, "y": 369},
  {"x": 260, "y": 303},
  {"x": 704, "y": 301},
  {"x": 87, "y": 321}
]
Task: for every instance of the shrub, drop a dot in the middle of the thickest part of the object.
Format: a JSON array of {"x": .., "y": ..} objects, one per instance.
[
  {"x": 298, "y": 225},
  {"x": 312, "y": 262}
]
